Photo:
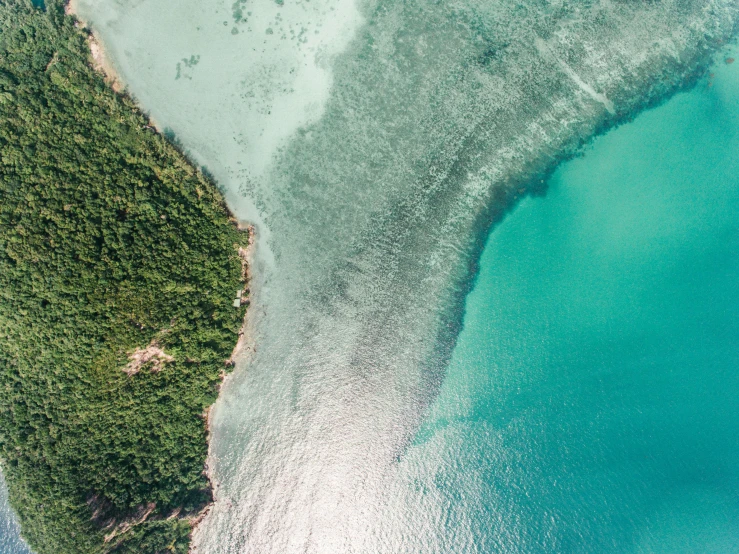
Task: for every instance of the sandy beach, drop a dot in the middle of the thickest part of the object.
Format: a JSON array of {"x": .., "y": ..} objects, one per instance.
[{"x": 100, "y": 59}]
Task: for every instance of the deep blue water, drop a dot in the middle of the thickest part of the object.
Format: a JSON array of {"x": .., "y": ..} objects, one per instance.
[{"x": 592, "y": 402}]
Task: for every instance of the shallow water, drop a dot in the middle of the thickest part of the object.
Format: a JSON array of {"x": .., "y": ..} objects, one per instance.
[
  {"x": 373, "y": 144},
  {"x": 10, "y": 540}
]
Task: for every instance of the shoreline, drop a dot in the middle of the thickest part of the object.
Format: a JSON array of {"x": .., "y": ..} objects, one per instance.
[
  {"x": 100, "y": 60},
  {"x": 247, "y": 255},
  {"x": 102, "y": 64},
  {"x": 244, "y": 345}
]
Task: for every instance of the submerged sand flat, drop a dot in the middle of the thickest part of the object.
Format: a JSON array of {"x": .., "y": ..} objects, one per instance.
[{"x": 372, "y": 144}]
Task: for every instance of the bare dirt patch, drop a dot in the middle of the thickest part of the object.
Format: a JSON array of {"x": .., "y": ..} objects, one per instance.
[{"x": 142, "y": 356}]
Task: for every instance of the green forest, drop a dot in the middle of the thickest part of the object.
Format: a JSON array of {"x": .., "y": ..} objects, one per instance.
[{"x": 111, "y": 243}]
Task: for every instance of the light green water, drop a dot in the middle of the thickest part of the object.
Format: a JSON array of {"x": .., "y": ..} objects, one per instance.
[{"x": 591, "y": 402}]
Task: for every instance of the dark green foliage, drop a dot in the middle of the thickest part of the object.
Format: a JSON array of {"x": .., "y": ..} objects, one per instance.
[
  {"x": 109, "y": 240},
  {"x": 159, "y": 536}
]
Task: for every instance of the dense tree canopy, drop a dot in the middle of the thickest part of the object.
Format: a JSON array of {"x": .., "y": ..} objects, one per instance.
[{"x": 110, "y": 242}]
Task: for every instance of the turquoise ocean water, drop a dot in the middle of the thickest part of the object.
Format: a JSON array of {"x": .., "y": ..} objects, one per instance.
[{"x": 591, "y": 403}]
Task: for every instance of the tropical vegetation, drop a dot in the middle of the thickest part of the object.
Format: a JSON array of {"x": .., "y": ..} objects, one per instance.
[{"x": 118, "y": 267}]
